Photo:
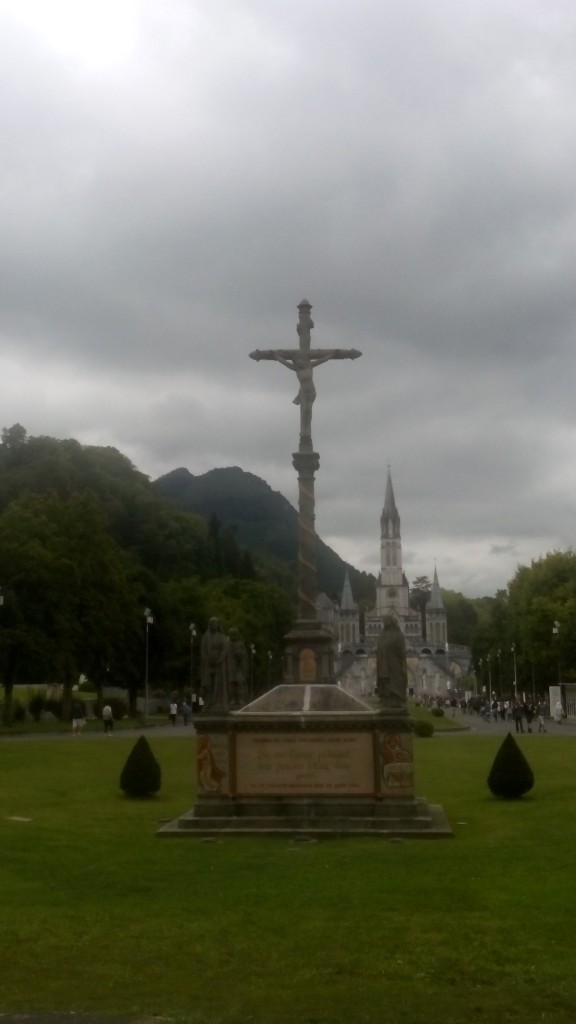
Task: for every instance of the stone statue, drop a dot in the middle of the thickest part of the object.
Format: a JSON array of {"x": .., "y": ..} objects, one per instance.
[
  {"x": 237, "y": 669},
  {"x": 391, "y": 669},
  {"x": 214, "y": 667}
]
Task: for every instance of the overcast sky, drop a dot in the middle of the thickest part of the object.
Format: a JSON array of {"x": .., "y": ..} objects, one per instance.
[{"x": 176, "y": 176}]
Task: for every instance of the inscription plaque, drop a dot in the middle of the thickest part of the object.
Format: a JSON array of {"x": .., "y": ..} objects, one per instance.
[{"x": 325, "y": 764}]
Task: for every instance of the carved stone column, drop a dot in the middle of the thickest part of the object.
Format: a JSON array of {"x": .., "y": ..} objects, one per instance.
[{"x": 309, "y": 650}]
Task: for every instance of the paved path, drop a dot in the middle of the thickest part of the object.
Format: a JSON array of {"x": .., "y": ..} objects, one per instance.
[
  {"x": 471, "y": 724},
  {"x": 99, "y": 734},
  {"x": 475, "y": 724}
]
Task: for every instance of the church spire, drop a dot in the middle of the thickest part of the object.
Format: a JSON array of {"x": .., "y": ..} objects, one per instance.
[
  {"x": 390, "y": 519},
  {"x": 435, "y": 601},
  {"x": 391, "y": 574},
  {"x": 347, "y": 602}
]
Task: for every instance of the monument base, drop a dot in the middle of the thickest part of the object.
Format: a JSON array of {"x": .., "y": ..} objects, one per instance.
[{"x": 307, "y": 760}]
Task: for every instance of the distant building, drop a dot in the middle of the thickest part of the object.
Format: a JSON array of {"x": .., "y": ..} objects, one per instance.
[{"x": 435, "y": 669}]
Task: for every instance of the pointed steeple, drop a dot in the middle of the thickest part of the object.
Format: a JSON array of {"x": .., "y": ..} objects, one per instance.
[
  {"x": 391, "y": 574},
  {"x": 390, "y": 518},
  {"x": 435, "y": 603},
  {"x": 436, "y": 625},
  {"x": 347, "y": 602}
]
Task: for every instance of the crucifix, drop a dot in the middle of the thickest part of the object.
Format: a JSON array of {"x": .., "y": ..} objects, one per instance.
[
  {"x": 309, "y": 654},
  {"x": 302, "y": 361}
]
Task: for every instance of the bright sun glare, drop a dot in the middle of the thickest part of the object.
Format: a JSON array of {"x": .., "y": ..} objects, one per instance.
[{"x": 96, "y": 32}]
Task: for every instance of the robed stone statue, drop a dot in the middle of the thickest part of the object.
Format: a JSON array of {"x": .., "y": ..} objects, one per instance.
[{"x": 391, "y": 668}]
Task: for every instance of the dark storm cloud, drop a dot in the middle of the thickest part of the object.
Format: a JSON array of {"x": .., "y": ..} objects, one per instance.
[{"x": 410, "y": 169}]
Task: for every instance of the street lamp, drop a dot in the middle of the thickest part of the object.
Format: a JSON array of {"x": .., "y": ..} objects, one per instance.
[
  {"x": 269, "y": 668},
  {"x": 252, "y": 656},
  {"x": 556, "y": 632},
  {"x": 192, "y": 628},
  {"x": 513, "y": 649},
  {"x": 149, "y": 619},
  {"x": 489, "y": 677},
  {"x": 498, "y": 653}
]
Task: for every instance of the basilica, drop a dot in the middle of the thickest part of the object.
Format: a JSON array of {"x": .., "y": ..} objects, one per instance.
[{"x": 436, "y": 669}]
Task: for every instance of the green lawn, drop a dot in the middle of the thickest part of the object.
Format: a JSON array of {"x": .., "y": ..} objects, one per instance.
[{"x": 99, "y": 915}]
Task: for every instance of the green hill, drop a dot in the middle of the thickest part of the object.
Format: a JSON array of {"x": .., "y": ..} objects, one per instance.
[{"x": 263, "y": 521}]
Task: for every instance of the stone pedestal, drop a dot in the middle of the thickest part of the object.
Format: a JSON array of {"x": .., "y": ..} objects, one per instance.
[
  {"x": 307, "y": 759},
  {"x": 308, "y": 654}
]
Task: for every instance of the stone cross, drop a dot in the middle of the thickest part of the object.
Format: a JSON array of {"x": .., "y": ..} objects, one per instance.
[
  {"x": 309, "y": 654},
  {"x": 302, "y": 361}
]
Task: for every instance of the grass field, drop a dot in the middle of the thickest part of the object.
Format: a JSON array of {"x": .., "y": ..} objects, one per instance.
[{"x": 99, "y": 915}]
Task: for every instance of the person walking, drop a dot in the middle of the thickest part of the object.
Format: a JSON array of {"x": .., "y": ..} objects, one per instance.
[
  {"x": 541, "y": 716},
  {"x": 558, "y": 712},
  {"x": 528, "y": 714},
  {"x": 78, "y": 717},
  {"x": 173, "y": 712},
  {"x": 108, "y": 719},
  {"x": 185, "y": 711},
  {"x": 518, "y": 715}
]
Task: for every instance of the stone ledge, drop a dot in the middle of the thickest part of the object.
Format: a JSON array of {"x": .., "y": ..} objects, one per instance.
[{"x": 429, "y": 823}]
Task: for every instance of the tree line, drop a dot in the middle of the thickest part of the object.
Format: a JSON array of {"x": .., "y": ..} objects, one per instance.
[
  {"x": 87, "y": 545},
  {"x": 523, "y": 638}
]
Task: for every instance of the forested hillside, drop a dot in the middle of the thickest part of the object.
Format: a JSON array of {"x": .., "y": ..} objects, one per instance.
[
  {"x": 86, "y": 545},
  {"x": 263, "y": 521}
]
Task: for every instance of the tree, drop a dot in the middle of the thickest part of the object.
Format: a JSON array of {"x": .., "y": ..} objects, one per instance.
[
  {"x": 72, "y": 595},
  {"x": 461, "y": 617},
  {"x": 14, "y": 437},
  {"x": 541, "y": 595},
  {"x": 419, "y": 598}
]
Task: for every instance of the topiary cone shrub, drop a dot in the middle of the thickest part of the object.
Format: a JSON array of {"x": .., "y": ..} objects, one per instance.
[
  {"x": 510, "y": 776},
  {"x": 423, "y": 728},
  {"x": 141, "y": 775}
]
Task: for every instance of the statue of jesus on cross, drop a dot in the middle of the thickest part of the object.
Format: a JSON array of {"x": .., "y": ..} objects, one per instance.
[{"x": 302, "y": 361}]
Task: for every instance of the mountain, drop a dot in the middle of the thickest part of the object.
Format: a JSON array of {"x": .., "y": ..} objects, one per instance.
[{"x": 263, "y": 520}]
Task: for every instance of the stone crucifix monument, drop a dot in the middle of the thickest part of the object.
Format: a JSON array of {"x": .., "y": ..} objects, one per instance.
[
  {"x": 307, "y": 758},
  {"x": 309, "y": 649}
]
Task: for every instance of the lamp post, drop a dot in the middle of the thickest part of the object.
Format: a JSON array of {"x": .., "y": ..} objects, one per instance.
[
  {"x": 498, "y": 653},
  {"x": 513, "y": 649},
  {"x": 556, "y": 633},
  {"x": 192, "y": 628},
  {"x": 489, "y": 678},
  {"x": 149, "y": 619},
  {"x": 269, "y": 668},
  {"x": 252, "y": 656}
]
